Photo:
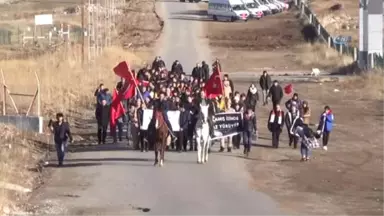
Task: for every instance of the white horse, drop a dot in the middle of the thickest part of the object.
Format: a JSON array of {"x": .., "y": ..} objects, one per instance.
[{"x": 202, "y": 135}]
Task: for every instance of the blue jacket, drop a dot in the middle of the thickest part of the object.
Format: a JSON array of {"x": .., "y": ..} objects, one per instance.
[
  {"x": 104, "y": 96},
  {"x": 326, "y": 122}
]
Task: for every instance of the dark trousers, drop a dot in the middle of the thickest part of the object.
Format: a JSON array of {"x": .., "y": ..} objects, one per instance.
[
  {"x": 236, "y": 140},
  {"x": 101, "y": 133},
  {"x": 143, "y": 143},
  {"x": 276, "y": 102},
  {"x": 326, "y": 137},
  {"x": 182, "y": 139},
  {"x": 117, "y": 133},
  {"x": 293, "y": 139},
  {"x": 247, "y": 138},
  {"x": 275, "y": 138},
  {"x": 135, "y": 133},
  {"x": 60, "y": 150},
  {"x": 191, "y": 130}
]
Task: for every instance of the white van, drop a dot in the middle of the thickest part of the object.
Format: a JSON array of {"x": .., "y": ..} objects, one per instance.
[
  {"x": 265, "y": 9},
  {"x": 272, "y": 7},
  {"x": 229, "y": 10},
  {"x": 253, "y": 9}
]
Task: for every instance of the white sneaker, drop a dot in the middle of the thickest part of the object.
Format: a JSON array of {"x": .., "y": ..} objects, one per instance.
[{"x": 325, "y": 148}]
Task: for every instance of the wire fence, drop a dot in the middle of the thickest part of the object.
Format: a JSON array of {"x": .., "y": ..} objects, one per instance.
[
  {"x": 374, "y": 60},
  {"x": 27, "y": 35}
]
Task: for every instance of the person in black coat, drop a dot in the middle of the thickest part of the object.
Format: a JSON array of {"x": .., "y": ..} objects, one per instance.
[
  {"x": 190, "y": 106},
  {"x": 102, "y": 116},
  {"x": 205, "y": 68},
  {"x": 61, "y": 133},
  {"x": 177, "y": 68},
  {"x": 252, "y": 98},
  {"x": 275, "y": 124},
  {"x": 158, "y": 63},
  {"x": 265, "y": 84},
  {"x": 197, "y": 73},
  {"x": 276, "y": 93},
  {"x": 249, "y": 127},
  {"x": 184, "y": 120}
]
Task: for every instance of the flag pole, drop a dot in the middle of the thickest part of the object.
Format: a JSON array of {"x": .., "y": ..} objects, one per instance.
[{"x": 137, "y": 89}]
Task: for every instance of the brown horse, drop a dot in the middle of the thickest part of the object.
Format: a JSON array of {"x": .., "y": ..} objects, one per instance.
[{"x": 161, "y": 134}]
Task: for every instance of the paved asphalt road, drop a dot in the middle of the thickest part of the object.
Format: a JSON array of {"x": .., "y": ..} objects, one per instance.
[{"x": 109, "y": 180}]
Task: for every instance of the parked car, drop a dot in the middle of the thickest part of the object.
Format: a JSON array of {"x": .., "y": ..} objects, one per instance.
[
  {"x": 254, "y": 11},
  {"x": 278, "y": 6},
  {"x": 271, "y": 7},
  {"x": 283, "y": 5},
  {"x": 262, "y": 7},
  {"x": 229, "y": 10}
]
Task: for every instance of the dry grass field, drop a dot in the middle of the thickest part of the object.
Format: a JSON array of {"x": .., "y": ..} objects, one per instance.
[
  {"x": 273, "y": 43},
  {"x": 345, "y": 180}
]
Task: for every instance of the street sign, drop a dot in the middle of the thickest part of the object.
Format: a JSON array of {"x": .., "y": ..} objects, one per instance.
[
  {"x": 44, "y": 19},
  {"x": 342, "y": 40}
]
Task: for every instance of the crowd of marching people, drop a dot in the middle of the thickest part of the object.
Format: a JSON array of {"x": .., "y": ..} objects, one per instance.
[{"x": 154, "y": 85}]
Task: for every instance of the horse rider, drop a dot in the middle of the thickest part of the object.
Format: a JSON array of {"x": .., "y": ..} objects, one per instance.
[
  {"x": 203, "y": 100},
  {"x": 162, "y": 103}
]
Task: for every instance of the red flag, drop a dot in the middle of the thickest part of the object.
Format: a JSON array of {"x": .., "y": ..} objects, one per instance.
[
  {"x": 129, "y": 89},
  {"x": 123, "y": 70},
  {"x": 117, "y": 109},
  {"x": 214, "y": 85}
]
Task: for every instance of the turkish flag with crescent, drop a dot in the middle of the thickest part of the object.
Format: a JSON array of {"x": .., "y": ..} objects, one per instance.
[
  {"x": 127, "y": 91},
  {"x": 214, "y": 85}
]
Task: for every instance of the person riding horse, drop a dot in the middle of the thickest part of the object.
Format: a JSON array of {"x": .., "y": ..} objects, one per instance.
[
  {"x": 203, "y": 100},
  {"x": 162, "y": 104}
]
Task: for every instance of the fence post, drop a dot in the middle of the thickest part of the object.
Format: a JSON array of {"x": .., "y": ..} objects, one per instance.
[
  {"x": 302, "y": 9},
  {"x": 319, "y": 29},
  {"x": 310, "y": 18},
  {"x": 341, "y": 49},
  {"x": 4, "y": 93},
  {"x": 329, "y": 40},
  {"x": 372, "y": 60},
  {"x": 354, "y": 53},
  {"x": 38, "y": 95}
]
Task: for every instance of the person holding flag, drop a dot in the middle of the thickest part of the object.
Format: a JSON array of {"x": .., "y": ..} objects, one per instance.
[{"x": 212, "y": 89}]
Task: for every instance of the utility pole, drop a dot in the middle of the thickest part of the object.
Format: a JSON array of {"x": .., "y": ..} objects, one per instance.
[{"x": 83, "y": 32}]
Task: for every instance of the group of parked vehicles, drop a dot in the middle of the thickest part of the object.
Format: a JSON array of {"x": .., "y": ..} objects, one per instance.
[{"x": 232, "y": 10}]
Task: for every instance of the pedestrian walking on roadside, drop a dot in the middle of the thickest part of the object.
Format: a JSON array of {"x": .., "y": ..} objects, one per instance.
[
  {"x": 275, "y": 124},
  {"x": 102, "y": 116},
  {"x": 306, "y": 113},
  {"x": 62, "y": 134},
  {"x": 265, "y": 84},
  {"x": 275, "y": 93},
  {"x": 325, "y": 126},
  {"x": 290, "y": 118},
  {"x": 249, "y": 128}
]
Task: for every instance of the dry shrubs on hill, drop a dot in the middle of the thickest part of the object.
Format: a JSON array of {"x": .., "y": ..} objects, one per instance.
[
  {"x": 320, "y": 56},
  {"x": 65, "y": 84},
  {"x": 369, "y": 85},
  {"x": 18, "y": 157}
]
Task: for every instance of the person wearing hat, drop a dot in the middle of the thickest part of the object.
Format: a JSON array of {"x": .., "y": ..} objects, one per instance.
[
  {"x": 62, "y": 134},
  {"x": 276, "y": 93},
  {"x": 294, "y": 100}
]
